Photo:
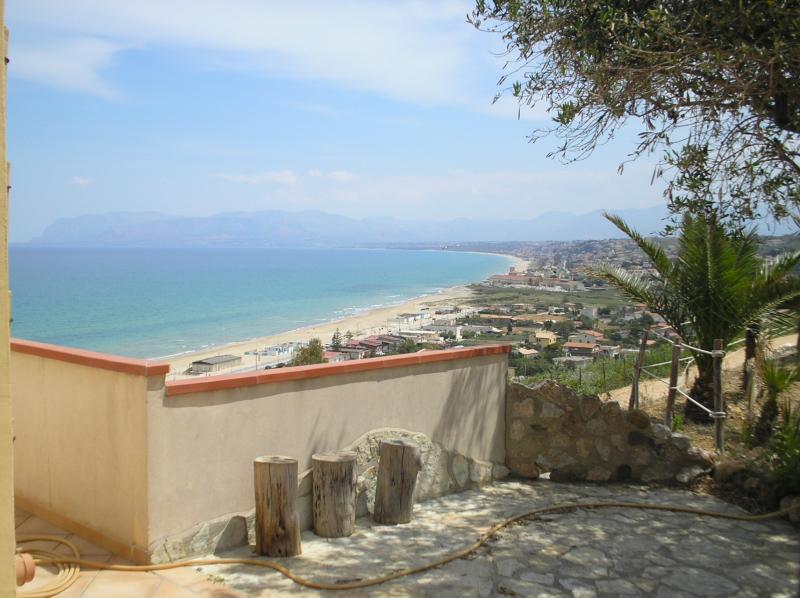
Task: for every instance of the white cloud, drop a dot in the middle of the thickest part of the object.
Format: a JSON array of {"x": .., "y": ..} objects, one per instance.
[
  {"x": 74, "y": 64},
  {"x": 282, "y": 177},
  {"x": 315, "y": 173},
  {"x": 412, "y": 50},
  {"x": 341, "y": 176},
  {"x": 80, "y": 181}
]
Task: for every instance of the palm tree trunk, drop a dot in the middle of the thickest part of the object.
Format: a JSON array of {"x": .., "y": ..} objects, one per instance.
[
  {"x": 750, "y": 345},
  {"x": 702, "y": 391}
]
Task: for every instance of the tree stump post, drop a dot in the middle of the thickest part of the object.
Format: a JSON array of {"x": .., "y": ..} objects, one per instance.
[
  {"x": 633, "y": 403},
  {"x": 399, "y": 463},
  {"x": 719, "y": 402},
  {"x": 277, "y": 523},
  {"x": 669, "y": 413},
  {"x": 334, "y": 493}
]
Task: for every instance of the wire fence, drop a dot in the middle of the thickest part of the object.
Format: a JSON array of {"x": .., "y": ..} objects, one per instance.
[
  {"x": 717, "y": 414},
  {"x": 675, "y": 388}
]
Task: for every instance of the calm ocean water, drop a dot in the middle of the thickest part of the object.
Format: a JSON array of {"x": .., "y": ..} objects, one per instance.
[{"x": 157, "y": 302}]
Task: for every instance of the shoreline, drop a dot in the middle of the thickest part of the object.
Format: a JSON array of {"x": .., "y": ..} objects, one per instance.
[{"x": 364, "y": 323}]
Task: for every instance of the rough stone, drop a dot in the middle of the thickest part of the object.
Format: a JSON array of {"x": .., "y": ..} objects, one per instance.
[
  {"x": 617, "y": 587},
  {"x": 234, "y": 534},
  {"x": 460, "y": 469},
  {"x": 523, "y": 409},
  {"x": 597, "y": 427},
  {"x": 571, "y": 436},
  {"x": 590, "y": 405},
  {"x": 584, "y": 447},
  {"x": 525, "y": 469},
  {"x": 681, "y": 442},
  {"x": 660, "y": 432},
  {"x": 793, "y": 504},
  {"x": 517, "y": 430},
  {"x": 548, "y": 410},
  {"x": 500, "y": 472},
  {"x": 688, "y": 474},
  {"x": 639, "y": 419},
  {"x": 612, "y": 409},
  {"x": 480, "y": 472},
  {"x": 598, "y": 474}
]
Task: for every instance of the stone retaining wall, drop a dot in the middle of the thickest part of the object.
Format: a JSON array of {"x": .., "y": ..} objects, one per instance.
[{"x": 551, "y": 428}]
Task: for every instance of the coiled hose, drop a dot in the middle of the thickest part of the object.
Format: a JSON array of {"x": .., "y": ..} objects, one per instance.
[{"x": 69, "y": 567}]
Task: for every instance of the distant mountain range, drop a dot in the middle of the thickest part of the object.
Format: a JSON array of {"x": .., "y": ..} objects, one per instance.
[{"x": 276, "y": 228}]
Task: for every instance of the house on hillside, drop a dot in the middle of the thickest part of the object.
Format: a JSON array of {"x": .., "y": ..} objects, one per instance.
[
  {"x": 545, "y": 338},
  {"x": 335, "y": 356},
  {"x": 572, "y": 349},
  {"x": 586, "y": 336}
]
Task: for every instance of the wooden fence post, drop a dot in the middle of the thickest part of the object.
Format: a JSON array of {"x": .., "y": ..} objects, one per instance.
[
  {"x": 752, "y": 387},
  {"x": 334, "y": 493},
  {"x": 633, "y": 403},
  {"x": 719, "y": 421},
  {"x": 277, "y": 523},
  {"x": 669, "y": 414}
]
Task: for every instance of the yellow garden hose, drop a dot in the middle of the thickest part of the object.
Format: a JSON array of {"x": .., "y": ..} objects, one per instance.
[{"x": 69, "y": 566}]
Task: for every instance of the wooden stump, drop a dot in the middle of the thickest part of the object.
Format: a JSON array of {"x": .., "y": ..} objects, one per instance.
[
  {"x": 398, "y": 465},
  {"x": 334, "y": 494},
  {"x": 277, "y": 523}
]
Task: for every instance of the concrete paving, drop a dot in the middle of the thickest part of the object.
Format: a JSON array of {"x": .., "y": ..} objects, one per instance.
[{"x": 608, "y": 552}]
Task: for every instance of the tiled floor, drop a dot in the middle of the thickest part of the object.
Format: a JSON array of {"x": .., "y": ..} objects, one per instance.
[{"x": 175, "y": 583}]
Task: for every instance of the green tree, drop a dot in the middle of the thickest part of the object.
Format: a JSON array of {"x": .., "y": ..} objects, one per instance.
[
  {"x": 407, "y": 346},
  {"x": 336, "y": 341},
  {"x": 310, "y": 354},
  {"x": 715, "y": 288},
  {"x": 550, "y": 351},
  {"x": 564, "y": 328},
  {"x": 714, "y": 87}
]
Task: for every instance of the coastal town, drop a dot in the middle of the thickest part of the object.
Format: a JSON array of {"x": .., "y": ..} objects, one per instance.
[{"x": 553, "y": 312}]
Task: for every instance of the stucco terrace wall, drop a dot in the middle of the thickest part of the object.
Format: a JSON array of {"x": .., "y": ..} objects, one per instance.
[
  {"x": 156, "y": 471},
  {"x": 80, "y": 422},
  {"x": 205, "y": 434}
]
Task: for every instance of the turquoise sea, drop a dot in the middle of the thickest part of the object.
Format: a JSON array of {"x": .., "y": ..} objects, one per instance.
[{"x": 159, "y": 302}]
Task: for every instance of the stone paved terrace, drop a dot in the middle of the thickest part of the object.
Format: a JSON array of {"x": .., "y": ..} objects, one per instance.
[{"x": 608, "y": 552}]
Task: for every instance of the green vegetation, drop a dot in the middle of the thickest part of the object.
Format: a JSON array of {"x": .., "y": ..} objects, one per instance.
[
  {"x": 785, "y": 448},
  {"x": 336, "y": 341},
  {"x": 483, "y": 295},
  {"x": 310, "y": 354},
  {"x": 713, "y": 87},
  {"x": 776, "y": 380},
  {"x": 598, "y": 377},
  {"x": 715, "y": 288},
  {"x": 407, "y": 346}
]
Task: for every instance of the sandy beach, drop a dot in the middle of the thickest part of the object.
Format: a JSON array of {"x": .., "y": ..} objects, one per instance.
[{"x": 374, "y": 321}]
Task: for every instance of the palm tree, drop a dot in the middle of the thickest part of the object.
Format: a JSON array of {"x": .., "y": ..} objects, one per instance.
[
  {"x": 715, "y": 289},
  {"x": 776, "y": 380}
]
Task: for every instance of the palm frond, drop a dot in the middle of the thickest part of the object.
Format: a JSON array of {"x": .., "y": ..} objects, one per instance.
[{"x": 653, "y": 251}]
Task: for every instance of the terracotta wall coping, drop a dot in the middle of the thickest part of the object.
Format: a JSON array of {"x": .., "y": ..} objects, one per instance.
[
  {"x": 103, "y": 361},
  {"x": 304, "y": 372}
]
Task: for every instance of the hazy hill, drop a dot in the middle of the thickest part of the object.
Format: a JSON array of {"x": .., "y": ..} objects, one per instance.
[{"x": 277, "y": 228}]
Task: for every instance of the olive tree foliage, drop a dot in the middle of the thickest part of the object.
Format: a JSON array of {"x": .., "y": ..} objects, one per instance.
[{"x": 713, "y": 88}]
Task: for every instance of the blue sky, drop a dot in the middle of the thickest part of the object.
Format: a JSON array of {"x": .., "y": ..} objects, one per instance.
[{"x": 195, "y": 107}]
